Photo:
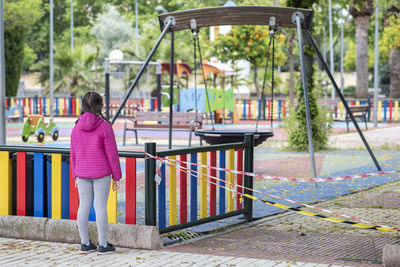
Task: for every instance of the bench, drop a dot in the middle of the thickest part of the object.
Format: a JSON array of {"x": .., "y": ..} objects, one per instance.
[
  {"x": 153, "y": 121},
  {"x": 360, "y": 112}
]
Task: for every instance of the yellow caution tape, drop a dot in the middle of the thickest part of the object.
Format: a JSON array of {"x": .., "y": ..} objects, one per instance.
[{"x": 330, "y": 219}]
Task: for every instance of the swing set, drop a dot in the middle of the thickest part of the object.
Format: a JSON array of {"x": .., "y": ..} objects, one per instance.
[{"x": 274, "y": 18}]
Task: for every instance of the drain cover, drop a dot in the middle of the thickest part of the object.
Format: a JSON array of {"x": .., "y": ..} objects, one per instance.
[{"x": 178, "y": 236}]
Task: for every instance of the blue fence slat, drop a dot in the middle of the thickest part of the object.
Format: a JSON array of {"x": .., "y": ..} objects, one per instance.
[
  {"x": 279, "y": 109},
  {"x": 56, "y": 106},
  {"x": 38, "y": 185},
  {"x": 48, "y": 170},
  {"x": 259, "y": 109},
  {"x": 162, "y": 217},
  {"x": 222, "y": 157},
  {"x": 65, "y": 190},
  {"x": 44, "y": 105},
  {"x": 385, "y": 104},
  {"x": 70, "y": 106},
  {"x": 244, "y": 109},
  {"x": 193, "y": 187}
]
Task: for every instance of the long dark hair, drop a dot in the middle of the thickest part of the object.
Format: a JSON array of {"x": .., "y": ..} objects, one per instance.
[{"x": 93, "y": 102}]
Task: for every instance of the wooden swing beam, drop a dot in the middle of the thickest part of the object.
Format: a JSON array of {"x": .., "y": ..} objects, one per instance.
[{"x": 236, "y": 15}]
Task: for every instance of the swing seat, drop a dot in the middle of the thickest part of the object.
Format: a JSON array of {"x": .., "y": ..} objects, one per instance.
[{"x": 215, "y": 137}]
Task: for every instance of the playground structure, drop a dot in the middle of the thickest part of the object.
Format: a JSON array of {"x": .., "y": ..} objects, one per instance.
[
  {"x": 15, "y": 114},
  {"x": 274, "y": 17},
  {"x": 61, "y": 198},
  {"x": 35, "y": 125}
]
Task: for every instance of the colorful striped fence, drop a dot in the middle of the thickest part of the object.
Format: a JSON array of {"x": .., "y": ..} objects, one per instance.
[
  {"x": 247, "y": 109},
  {"x": 37, "y": 181},
  {"x": 45, "y": 187},
  {"x": 70, "y": 106},
  {"x": 250, "y": 109},
  {"x": 207, "y": 197}
]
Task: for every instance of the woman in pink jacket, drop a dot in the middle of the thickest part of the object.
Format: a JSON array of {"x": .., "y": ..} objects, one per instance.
[{"x": 95, "y": 162}]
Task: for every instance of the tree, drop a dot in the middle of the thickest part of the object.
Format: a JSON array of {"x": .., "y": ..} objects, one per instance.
[
  {"x": 18, "y": 16},
  {"x": 112, "y": 31},
  {"x": 361, "y": 11},
  {"x": 72, "y": 70},
  {"x": 296, "y": 123},
  {"x": 249, "y": 43},
  {"x": 391, "y": 45}
]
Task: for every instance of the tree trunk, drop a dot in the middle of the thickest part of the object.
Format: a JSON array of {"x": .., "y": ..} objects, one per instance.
[
  {"x": 255, "y": 79},
  {"x": 361, "y": 24},
  {"x": 394, "y": 63}
]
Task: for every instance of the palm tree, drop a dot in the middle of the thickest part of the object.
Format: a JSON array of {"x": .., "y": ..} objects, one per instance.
[
  {"x": 361, "y": 12},
  {"x": 72, "y": 70}
]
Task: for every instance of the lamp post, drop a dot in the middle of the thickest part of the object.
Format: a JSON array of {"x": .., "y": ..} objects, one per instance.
[
  {"x": 137, "y": 26},
  {"x": 331, "y": 47},
  {"x": 376, "y": 66},
  {"x": 2, "y": 80},
  {"x": 51, "y": 61},
  {"x": 72, "y": 25},
  {"x": 341, "y": 23}
]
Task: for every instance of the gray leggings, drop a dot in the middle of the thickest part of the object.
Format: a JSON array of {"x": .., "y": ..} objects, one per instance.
[{"x": 99, "y": 190}]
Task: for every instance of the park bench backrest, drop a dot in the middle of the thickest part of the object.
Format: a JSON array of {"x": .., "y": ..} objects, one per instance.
[
  {"x": 183, "y": 119},
  {"x": 359, "y": 110}
]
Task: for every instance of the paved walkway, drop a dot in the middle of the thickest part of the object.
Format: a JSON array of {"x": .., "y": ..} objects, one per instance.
[{"x": 14, "y": 252}]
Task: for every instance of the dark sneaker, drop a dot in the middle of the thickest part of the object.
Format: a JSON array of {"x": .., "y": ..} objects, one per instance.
[
  {"x": 87, "y": 249},
  {"x": 105, "y": 250}
]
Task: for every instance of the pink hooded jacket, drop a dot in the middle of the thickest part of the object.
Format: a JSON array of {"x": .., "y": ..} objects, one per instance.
[{"x": 94, "y": 151}]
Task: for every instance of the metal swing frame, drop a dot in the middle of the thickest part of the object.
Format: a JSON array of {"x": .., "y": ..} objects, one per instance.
[{"x": 300, "y": 19}]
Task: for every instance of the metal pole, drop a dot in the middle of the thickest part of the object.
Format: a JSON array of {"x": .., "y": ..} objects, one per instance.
[
  {"x": 150, "y": 202},
  {"x": 51, "y": 62},
  {"x": 171, "y": 23},
  {"x": 341, "y": 58},
  {"x": 72, "y": 25},
  {"x": 248, "y": 180},
  {"x": 331, "y": 46},
  {"x": 325, "y": 66},
  {"x": 107, "y": 87},
  {"x": 2, "y": 80},
  {"x": 376, "y": 66},
  {"x": 171, "y": 90},
  {"x": 306, "y": 103},
  {"x": 137, "y": 27},
  {"x": 159, "y": 87}
]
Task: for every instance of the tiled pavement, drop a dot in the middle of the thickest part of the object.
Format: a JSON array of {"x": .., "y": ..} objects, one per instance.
[{"x": 17, "y": 252}]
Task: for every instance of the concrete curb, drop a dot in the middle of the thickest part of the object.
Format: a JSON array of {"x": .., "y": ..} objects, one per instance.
[
  {"x": 54, "y": 230},
  {"x": 391, "y": 255}
]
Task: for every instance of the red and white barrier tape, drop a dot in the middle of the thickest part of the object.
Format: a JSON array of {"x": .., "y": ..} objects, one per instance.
[
  {"x": 279, "y": 178},
  {"x": 188, "y": 171}
]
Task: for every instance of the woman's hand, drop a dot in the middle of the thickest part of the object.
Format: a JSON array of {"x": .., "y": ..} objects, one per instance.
[{"x": 115, "y": 185}]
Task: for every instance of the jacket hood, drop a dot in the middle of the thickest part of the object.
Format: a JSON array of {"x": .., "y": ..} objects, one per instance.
[{"x": 89, "y": 121}]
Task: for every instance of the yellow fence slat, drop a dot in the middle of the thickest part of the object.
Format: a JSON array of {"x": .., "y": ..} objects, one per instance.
[
  {"x": 6, "y": 184},
  {"x": 77, "y": 105},
  {"x": 172, "y": 192},
  {"x": 56, "y": 190},
  {"x": 112, "y": 206},
  {"x": 254, "y": 114},
  {"x": 48, "y": 106},
  {"x": 341, "y": 114},
  {"x": 231, "y": 178},
  {"x": 396, "y": 110},
  {"x": 379, "y": 110},
  {"x": 203, "y": 185}
]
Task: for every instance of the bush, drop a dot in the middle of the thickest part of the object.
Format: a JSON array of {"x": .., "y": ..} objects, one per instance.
[{"x": 296, "y": 123}]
